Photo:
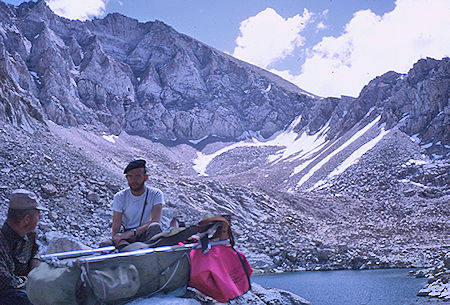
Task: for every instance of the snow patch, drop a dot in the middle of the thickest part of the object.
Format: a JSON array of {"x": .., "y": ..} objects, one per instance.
[
  {"x": 436, "y": 156},
  {"x": 198, "y": 141},
  {"x": 415, "y": 162},
  {"x": 110, "y": 138},
  {"x": 412, "y": 182},
  {"x": 286, "y": 139},
  {"x": 313, "y": 170},
  {"x": 356, "y": 155},
  {"x": 404, "y": 118},
  {"x": 202, "y": 160},
  {"x": 415, "y": 138},
  {"x": 318, "y": 185},
  {"x": 294, "y": 145}
]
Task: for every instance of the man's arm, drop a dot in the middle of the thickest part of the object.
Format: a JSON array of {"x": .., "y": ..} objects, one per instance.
[
  {"x": 156, "y": 213},
  {"x": 155, "y": 217},
  {"x": 7, "y": 278},
  {"x": 35, "y": 257},
  {"x": 117, "y": 222}
]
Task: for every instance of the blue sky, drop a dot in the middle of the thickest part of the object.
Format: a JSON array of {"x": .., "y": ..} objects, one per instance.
[{"x": 327, "y": 47}]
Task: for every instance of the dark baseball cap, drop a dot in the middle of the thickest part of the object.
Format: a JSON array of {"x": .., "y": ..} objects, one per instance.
[
  {"x": 21, "y": 199},
  {"x": 134, "y": 164}
]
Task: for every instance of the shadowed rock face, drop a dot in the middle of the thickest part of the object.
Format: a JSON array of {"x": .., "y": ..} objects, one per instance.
[{"x": 144, "y": 78}]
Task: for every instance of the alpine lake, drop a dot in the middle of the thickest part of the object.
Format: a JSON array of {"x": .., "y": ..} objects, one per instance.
[{"x": 348, "y": 287}]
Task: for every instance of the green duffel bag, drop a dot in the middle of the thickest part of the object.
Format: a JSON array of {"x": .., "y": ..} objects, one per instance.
[
  {"x": 53, "y": 285},
  {"x": 114, "y": 278}
]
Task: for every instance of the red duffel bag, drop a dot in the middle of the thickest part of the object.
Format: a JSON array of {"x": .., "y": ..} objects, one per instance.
[{"x": 222, "y": 273}]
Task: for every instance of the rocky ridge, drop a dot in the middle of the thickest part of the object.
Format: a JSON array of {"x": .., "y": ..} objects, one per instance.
[
  {"x": 147, "y": 79},
  {"x": 143, "y": 78}
]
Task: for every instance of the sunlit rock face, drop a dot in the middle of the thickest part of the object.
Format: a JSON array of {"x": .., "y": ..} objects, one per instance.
[
  {"x": 144, "y": 78},
  {"x": 148, "y": 79}
]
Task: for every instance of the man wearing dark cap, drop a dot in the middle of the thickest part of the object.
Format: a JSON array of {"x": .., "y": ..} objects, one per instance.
[
  {"x": 137, "y": 209},
  {"x": 18, "y": 248}
]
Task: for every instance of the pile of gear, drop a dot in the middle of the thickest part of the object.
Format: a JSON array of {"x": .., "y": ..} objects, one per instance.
[{"x": 201, "y": 256}]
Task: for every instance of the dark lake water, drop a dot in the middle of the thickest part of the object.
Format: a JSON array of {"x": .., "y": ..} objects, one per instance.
[{"x": 362, "y": 287}]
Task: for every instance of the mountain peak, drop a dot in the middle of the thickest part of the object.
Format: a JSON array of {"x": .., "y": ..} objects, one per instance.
[{"x": 150, "y": 80}]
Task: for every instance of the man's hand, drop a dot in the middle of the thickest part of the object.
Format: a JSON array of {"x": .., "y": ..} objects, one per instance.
[
  {"x": 117, "y": 238},
  {"x": 22, "y": 281},
  {"x": 34, "y": 263}
]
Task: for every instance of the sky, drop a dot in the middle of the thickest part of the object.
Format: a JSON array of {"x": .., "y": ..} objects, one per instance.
[{"x": 326, "y": 47}]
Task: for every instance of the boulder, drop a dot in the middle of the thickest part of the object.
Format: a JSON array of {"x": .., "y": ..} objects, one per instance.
[{"x": 62, "y": 244}]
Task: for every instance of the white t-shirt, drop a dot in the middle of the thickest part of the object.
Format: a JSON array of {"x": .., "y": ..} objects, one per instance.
[{"x": 131, "y": 206}]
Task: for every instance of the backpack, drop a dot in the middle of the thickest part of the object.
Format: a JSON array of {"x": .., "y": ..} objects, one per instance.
[{"x": 217, "y": 269}]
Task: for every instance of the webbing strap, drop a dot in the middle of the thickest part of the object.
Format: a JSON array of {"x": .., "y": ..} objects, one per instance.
[
  {"x": 171, "y": 276},
  {"x": 143, "y": 209},
  {"x": 245, "y": 268}
]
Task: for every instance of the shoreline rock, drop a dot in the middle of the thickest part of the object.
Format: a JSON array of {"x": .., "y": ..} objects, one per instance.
[{"x": 438, "y": 285}]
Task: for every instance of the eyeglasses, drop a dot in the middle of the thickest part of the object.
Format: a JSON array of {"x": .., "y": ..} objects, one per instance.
[{"x": 129, "y": 177}]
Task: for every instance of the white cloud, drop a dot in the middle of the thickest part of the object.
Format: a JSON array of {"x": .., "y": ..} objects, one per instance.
[
  {"x": 79, "y": 9},
  {"x": 321, "y": 26},
  {"x": 372, "y": 45},
  {"x": 268, "y": 37}
]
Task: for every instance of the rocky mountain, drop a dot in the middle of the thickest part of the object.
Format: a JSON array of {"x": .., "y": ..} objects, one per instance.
[
  {"x": 148, "y": 79},
  {"x": 143, "y": 78},
  {"x": 311, "y": 182}
]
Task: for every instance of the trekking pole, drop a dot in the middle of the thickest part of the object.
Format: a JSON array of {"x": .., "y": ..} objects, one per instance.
[
  {"x": 77, "y": 253},
  {"x": 137, "y": 252},
  {"x": 145, "y": 251}
]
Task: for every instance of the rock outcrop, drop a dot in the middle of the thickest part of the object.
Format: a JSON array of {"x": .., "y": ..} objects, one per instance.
[
  {"x": 438, "y": 285},
  {"x": 147, "y": 79},
  {"x": 143, "y": 78}
]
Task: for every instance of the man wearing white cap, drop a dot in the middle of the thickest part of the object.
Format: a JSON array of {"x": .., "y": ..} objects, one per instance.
[{"x": 18, "y": 248}]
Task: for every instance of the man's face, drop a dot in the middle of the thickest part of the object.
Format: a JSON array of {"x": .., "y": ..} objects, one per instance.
[
  {"x": 136, "y": 178},
  {"x": 31, "y": 221}
]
